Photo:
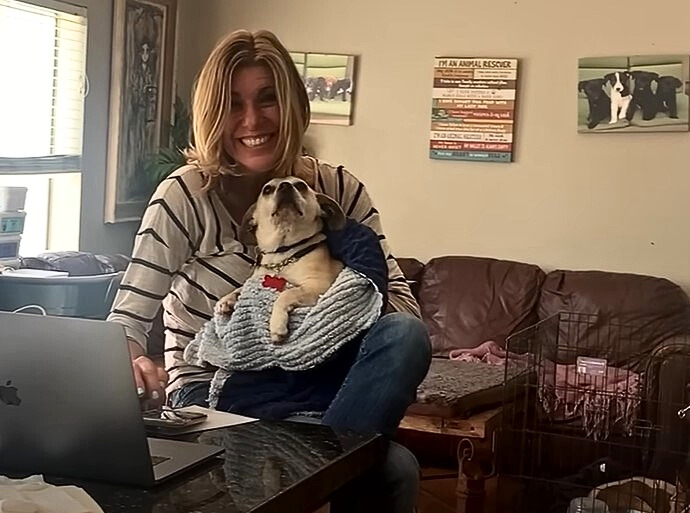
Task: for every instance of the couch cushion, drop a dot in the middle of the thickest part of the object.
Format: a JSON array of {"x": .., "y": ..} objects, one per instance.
[
  {"x": 627, "y": 315},
  {"x": 468, "y": 300}
]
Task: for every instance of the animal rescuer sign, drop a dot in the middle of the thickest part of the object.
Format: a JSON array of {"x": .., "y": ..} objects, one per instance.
[{"x": 473, "y": 109}]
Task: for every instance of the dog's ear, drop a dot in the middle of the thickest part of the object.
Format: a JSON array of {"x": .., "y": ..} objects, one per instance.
[
  {"x": 677, "y": 82},
  {"x": 247, "y": 233},
  {"x": 581, "y": 85},
  {"x": 333, "y": 215}
]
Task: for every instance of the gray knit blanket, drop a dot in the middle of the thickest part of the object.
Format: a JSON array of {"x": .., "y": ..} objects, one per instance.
[{"x": 242, "y": 341}]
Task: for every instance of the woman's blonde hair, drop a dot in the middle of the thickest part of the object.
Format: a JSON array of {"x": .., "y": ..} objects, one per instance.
[{"x": 211, "y": 102}]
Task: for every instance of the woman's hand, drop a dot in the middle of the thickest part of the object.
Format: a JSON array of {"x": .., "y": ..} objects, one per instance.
[{"x": 149, "y": 378}]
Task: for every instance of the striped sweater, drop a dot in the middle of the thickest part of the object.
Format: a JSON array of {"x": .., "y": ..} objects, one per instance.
[{"x": 187, "y": 256}]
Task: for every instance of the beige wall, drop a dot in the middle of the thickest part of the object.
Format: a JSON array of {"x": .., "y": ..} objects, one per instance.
[{"x": 579, "y": 201}]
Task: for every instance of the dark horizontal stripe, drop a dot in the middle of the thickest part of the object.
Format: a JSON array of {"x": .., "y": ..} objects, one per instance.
[
  {"x": 178, "y": 331},
  {"x": 355, "y": 200},
  {"x": 186, "y": 374},
  {"x": 151, "y": 265},
  {"x": 132, "y": 315},
  {"x": 218, "y": 272},
  {"x": 175, "y": 220},
  {"x": 173, "y": 349},
  {"x": 142, "y": 292},
  {"x": 369, "y": 214},
  {"x": 154, "y": 234},
  {"x": 246, "y": 258},
  {"x": 401, "y": 293},
  {"x": 401, "y": 279},
  {"x": 191, "y": 310},
  {"x": 382, "y": 237},
  {"x": 198, "y": 287}
]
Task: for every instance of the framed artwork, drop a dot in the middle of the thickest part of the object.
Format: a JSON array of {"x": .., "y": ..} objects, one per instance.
[
  {"x": 643, "y": 93},
  {"x": 473, "y": 109},
  {"x": 141, "y": 93},
  {"x": 330, "y": 83}
]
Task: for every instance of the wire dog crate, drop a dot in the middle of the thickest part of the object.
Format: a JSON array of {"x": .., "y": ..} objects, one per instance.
[{"x": 598, "y": 424}]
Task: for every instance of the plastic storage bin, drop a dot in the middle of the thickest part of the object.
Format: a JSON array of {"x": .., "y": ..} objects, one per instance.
[
  {"x": 70, "y": 296},
  {"x": 12, "y": 222},
  {"x": 12, "y": 198},
  {"x": 9, "y": 246}
]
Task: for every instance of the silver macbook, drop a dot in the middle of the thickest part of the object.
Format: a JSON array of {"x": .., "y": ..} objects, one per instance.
[{"x": 69, "y": 408}]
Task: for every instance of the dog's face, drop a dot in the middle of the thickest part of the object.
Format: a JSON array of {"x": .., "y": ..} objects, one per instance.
[
  {"x": 620, "y": 80},
  {"x": 288, "y": 211},
  {"x": 644, "y": 79},
  {"x": 593, "y": 89}
]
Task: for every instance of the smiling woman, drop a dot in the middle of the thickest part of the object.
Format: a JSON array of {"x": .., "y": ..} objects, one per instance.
[
  {"x": 250, "y": 111},
  {"x": 251, "y": 130}
]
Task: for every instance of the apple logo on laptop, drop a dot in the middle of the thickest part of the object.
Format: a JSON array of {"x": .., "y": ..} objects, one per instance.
[{"x": 8, "y": 394}]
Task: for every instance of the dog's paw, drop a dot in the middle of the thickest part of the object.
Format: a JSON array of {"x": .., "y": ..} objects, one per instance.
[
  {"x": 226, "y": 305},
  {"x": 278, "y": 336}
]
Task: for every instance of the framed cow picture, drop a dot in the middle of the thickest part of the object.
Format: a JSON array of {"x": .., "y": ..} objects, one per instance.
[{"x": 643, "y": 93}]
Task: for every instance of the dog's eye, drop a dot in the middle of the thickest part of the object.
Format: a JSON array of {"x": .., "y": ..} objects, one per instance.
[
  {"x": 301, "y": 186},
  {"x": 268, "y": 189}
]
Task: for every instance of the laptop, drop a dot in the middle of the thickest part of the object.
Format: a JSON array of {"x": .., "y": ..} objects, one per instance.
[{"x": 69, "y": 407}]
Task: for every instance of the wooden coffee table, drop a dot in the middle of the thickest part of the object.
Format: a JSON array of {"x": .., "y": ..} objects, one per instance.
[{"x": 474, "y": 441}]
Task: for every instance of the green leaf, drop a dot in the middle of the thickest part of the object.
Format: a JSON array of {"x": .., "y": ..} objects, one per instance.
[{"x": 168, "y": 158}]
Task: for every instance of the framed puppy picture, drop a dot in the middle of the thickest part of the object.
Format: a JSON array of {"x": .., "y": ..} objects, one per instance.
[
  {"x": 643, "y": 93},
  {"x": 330, "y": 83}
]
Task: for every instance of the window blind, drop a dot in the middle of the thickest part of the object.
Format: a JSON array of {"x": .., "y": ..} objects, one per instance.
[{"x": 43, "y": 58}]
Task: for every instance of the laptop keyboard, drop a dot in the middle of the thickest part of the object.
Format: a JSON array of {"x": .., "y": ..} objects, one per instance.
[{"x": 157, "y": 460}]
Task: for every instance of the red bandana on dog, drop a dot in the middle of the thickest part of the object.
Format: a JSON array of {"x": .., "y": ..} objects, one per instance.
[{"x": 274, "y": 282}]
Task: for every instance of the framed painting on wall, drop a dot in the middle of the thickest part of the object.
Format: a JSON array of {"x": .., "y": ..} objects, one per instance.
[
  {"x": 330, "y": 83},
  {"x": 643, "y": 93},
  {"x": 141, "y": 93},
  {"x": 473, "y": 109}
]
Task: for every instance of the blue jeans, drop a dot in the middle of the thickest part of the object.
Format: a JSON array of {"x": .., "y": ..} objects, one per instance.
[{"x": 392, "y": 361}]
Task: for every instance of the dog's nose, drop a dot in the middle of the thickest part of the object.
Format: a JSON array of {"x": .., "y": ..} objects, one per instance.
[{"x": 284, "y": 185}]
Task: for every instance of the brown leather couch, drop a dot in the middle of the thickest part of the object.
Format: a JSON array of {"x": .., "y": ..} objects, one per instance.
[{"x": 466, "y": 301}]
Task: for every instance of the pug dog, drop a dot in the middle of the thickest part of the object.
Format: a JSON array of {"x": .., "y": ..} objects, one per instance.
[{"x": 286, "y": 224}]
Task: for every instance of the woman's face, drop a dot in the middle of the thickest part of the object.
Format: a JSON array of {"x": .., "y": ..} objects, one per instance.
[{"x": 251, "y": 128}]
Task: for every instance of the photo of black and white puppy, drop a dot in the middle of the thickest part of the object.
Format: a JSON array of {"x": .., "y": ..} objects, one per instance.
[
  {"x": 599, "y": 101},
  {"x": 643, "y": 97},
  {"x": 666, "y": 95},
  {"x": 633, "y": 93},
  {"x": 620, "y": 94}
]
